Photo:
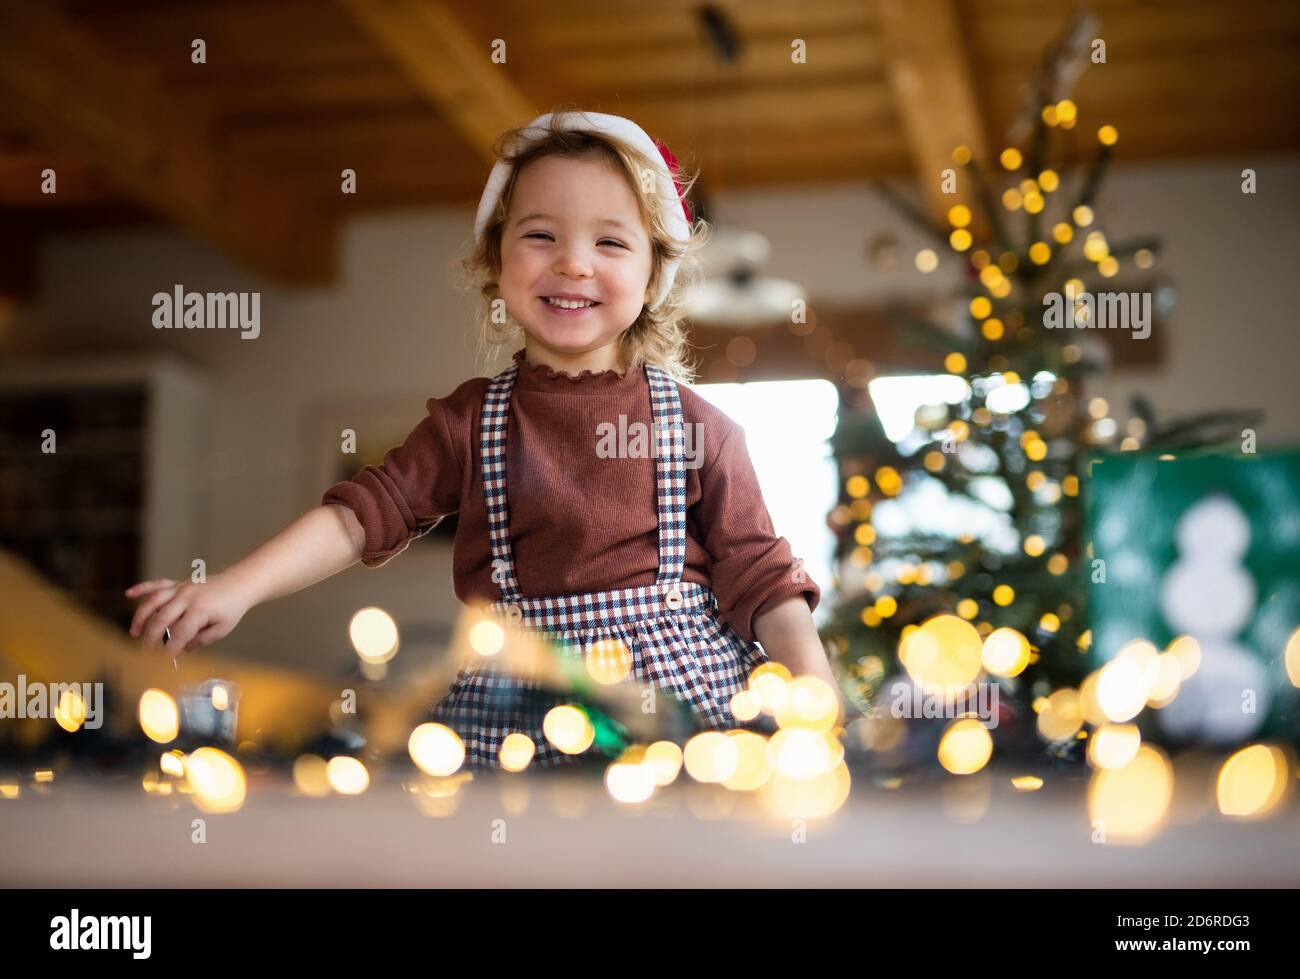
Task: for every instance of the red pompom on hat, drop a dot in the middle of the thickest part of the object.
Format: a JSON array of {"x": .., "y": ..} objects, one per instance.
[{"x": 674, "y": 168}]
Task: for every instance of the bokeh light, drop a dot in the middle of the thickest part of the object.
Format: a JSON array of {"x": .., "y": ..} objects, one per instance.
[
  {"x": 1129, "y": 804},
  {"x": 569, "y": 729},
  {"x": 160, "y": 718},
  {"x": 436, "y": 749},
  {"x": 374, "y": 635},
  {"x": 347, "y": 775},
  {"x": 965, "y": 747},
  {"x": 217, "y": 780},
  {"x": 1253, "y": 781}
]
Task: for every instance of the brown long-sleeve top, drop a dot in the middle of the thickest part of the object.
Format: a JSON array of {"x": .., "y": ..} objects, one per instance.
[{"x": 578, "y": 522}]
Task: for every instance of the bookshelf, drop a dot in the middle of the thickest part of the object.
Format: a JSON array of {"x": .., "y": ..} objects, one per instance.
[{"x": 120, "y": 498}]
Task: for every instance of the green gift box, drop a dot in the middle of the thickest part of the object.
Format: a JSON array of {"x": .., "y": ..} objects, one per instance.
[{"x": 1204, "y": 543}]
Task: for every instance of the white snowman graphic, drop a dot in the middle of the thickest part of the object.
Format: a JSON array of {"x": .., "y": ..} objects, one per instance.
[{"x": 1208, "y": 594}]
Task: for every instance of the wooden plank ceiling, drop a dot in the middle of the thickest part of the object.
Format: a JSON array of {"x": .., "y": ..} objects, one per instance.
[{"x": 246, "y": 150}]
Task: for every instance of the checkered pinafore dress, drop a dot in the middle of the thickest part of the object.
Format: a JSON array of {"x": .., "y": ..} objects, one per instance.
[{"x": 676, "y": 639}]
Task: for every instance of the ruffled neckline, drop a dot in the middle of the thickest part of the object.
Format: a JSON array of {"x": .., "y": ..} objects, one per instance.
[{"x": 545, "y": 376}]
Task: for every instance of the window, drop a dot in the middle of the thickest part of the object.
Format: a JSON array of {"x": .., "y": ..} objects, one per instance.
[{"x": 787, "y": 424}]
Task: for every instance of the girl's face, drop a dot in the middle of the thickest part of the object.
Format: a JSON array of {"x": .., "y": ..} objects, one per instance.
[{"x": 574, "y": 230}]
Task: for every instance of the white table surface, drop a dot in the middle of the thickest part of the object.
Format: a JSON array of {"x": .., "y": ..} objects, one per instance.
[{"x": 562, "y": 829}]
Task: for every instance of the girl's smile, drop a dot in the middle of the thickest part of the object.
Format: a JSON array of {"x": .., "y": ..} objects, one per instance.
[{"x": 570, "y": 307}]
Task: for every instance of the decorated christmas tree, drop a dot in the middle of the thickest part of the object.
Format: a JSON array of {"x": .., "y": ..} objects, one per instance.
[
  {"x": 970, "y": 525},
  {"x": 1014, "y": 562}
]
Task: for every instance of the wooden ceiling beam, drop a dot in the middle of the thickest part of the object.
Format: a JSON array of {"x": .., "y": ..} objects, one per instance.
[
  {"x": 928, "y": 65},
  {"x": 589, "y": 26},
  {"x": 649, "y": 69},
  {"x": 79, "y": 99},
  {"x": 384, "y": 149},
  {"x": 232, "y": 97},
  {"x": 447, "y": 66},
  {"x": 754, "y": 160},
  {"x": 713, "y": 120},
  {"x": 21, "y": 180},
  {"x": 783, "y": 116},
  {"x": 1135, "y": 32}
]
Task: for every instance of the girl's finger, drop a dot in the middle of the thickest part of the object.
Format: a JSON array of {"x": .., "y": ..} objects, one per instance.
[
  {"x": 145, "y": 587},
  {"x": 205, "y": 636},
  {"x": 146, "y": 609},
  {"x": 163, "y": 619},
  {"x": 175, "y": 646}
]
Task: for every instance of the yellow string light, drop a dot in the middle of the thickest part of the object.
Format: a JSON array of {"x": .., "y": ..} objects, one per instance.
[{"x": 1095, "y": 249}]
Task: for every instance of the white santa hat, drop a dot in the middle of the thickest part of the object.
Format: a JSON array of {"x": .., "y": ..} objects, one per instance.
[{"x": 676, "y": 212}]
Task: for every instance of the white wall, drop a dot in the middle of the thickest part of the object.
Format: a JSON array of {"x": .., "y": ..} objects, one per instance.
[
  {"x": 1231, "y": 255},
  {"x": 396, "y": 327}
]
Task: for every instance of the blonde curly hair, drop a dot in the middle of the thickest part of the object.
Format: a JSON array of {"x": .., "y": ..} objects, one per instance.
[{"x": 657, "y": 336}]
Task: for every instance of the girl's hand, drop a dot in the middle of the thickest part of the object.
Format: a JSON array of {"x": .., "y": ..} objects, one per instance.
[{"x": 197, "y": 615}]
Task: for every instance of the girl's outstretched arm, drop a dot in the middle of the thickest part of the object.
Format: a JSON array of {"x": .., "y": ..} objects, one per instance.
[{"x": 322, "y": 542}]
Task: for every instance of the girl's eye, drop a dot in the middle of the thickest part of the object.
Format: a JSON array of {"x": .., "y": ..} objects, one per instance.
[{"x": 534, "y": 234}]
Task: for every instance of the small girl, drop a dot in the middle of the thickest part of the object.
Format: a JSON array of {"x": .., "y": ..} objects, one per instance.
[{"x": 600, "y": 499}]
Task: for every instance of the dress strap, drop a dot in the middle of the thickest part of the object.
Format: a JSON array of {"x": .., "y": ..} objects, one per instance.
[
  {"x": 492, "y": 444},
  {"x": 670, "y": 478},
  {"x": 670, "y": 467}
]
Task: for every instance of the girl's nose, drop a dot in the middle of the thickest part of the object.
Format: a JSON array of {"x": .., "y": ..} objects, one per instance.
[{"x": 573, "y": 262}]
